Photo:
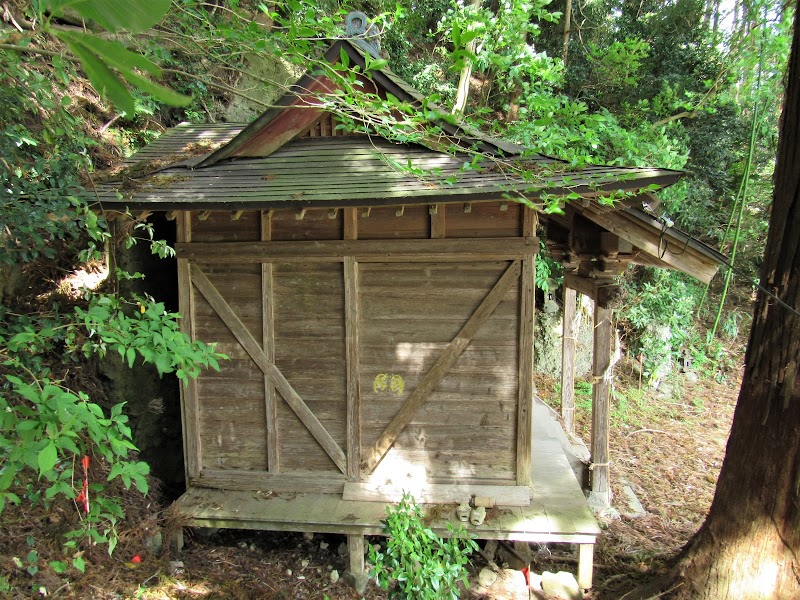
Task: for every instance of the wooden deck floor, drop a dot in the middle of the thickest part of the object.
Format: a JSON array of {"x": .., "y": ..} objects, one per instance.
[{"x": 558, "y": 510}]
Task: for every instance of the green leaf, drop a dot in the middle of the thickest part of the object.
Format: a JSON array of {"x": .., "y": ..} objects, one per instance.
[
  {"x": 6, "y": 477},
  {"x": 117, "y": 14},
  {"x": 130, "y": 354},
  {"x": 58, "y": 566},
  {"x": 79, "y": 564},
  {"x": 112, "y": 53},
  {"x": 48, "y": 457},
  {"x": 103, "y": 79},
  {"x": 157, "y": 91}
]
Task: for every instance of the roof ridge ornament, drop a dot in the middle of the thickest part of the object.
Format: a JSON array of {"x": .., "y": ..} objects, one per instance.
[{"x": 362, "y": 33}]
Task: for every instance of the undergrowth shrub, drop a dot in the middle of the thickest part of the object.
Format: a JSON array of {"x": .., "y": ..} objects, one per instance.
[
  {"x": 417, "y": 563},
  {"x": 660, "y": 319}
]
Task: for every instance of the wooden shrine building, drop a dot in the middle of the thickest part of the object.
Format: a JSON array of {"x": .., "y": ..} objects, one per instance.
[{"x": 379, "y": 318}]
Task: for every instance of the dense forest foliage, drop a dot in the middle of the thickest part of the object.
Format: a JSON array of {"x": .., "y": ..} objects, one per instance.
[{"x": 685, "y": 84}]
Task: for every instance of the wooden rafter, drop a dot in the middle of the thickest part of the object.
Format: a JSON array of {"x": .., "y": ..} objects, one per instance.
[
  {"x": 253, "y": 348},
  {"x": 448, "y": 357}
]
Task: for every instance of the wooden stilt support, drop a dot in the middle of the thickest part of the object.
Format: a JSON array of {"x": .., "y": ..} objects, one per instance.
[
  {"x": 236, "y": 215},
  {"x": 358, "y": 576},
  {"x": 568, "y": 361},
  {"x": 176, "y": 542},
  {"x": 601, "y": 390},
  {"x": 585, "y": 565}
]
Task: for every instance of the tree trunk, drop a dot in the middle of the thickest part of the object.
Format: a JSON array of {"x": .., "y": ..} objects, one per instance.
[
  {"x": 748, "y": 547},
  {"x": 567, "y": 31},
  {"x": 462, "y": 92}
]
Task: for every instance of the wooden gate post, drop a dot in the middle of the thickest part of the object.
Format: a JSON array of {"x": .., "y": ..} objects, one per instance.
[{"x": 568, "y": 361}]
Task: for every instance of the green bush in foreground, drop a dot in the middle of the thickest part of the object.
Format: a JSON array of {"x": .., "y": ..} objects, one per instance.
[{"x": 418, "y": 563}]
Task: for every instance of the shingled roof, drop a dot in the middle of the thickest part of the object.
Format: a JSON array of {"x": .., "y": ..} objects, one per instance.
[{"x": 294, "y": 156}]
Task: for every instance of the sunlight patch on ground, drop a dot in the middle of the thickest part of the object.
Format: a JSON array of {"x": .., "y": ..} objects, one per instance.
[{"x": 88, "y": 277}]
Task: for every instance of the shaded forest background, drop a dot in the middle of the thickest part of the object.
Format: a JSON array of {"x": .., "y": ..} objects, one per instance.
[{"x": 686, "y": 84}]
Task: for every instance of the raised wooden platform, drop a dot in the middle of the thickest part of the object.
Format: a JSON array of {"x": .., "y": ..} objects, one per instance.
[{"x": 558, "y": 511}]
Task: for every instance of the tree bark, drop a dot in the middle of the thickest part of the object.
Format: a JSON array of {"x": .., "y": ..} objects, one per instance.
[
  {"x": 462, "y": 92},
  {"x": 567, "y": 31},
  {"x": 748, "y": 547}
]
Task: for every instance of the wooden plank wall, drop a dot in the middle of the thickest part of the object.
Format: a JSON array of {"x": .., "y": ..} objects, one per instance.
[
  {"x": 232, "y": 413},
  {"x": 310, "y": 352},
  {"x": 468, "y": 429}
]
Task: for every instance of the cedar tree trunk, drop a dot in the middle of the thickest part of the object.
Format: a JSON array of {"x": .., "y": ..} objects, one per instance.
[{"x": 748, "y": 546}]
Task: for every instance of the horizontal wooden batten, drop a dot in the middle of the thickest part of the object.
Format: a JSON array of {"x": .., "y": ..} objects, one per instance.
[
  {"x": 316, "y": 482},
  {"x": 486, "y": 495},
  {"x": 460, "y": 250}
]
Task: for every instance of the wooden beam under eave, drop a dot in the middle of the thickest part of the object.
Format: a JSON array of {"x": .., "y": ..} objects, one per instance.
[{"x": 671, "y": 254}]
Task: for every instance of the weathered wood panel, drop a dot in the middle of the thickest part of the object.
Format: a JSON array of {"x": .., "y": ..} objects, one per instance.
[
  {"x": 384, "y": 223},
  {"x": 232, "y": 415},
  {"x": 310, "y": 352},
  {"x": 466, "y": 428},
  {"x": 376, "y": 250},
  {"x": 314, "y": 225},
  {"x": 254, "y": 349},
  {"x": 218, "y": 226},
  {"x": 424, "y": 493},
  {"x": 483, "y": 219}
]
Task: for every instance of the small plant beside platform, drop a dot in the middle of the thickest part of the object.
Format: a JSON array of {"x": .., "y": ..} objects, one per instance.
[{"x": 418, "y": 563}]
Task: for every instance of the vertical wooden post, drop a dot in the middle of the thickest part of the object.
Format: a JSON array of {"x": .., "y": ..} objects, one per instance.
[
  {"x": 525, "y": 376},
  {"x": 358, "y": 574},
  {"x": 438, "y": 221},
  {"x": 268, "y": 345},
  {"x": 190, "y": 412},
  {"x": 585, "y": 566},
  {"x": 351, "y": 223},
  {"x": 353, "y": 368},
  {"x": 568, "y": 361},
  {"x": 351, "y": 308},
  {"x": 601, "y": 390}
]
